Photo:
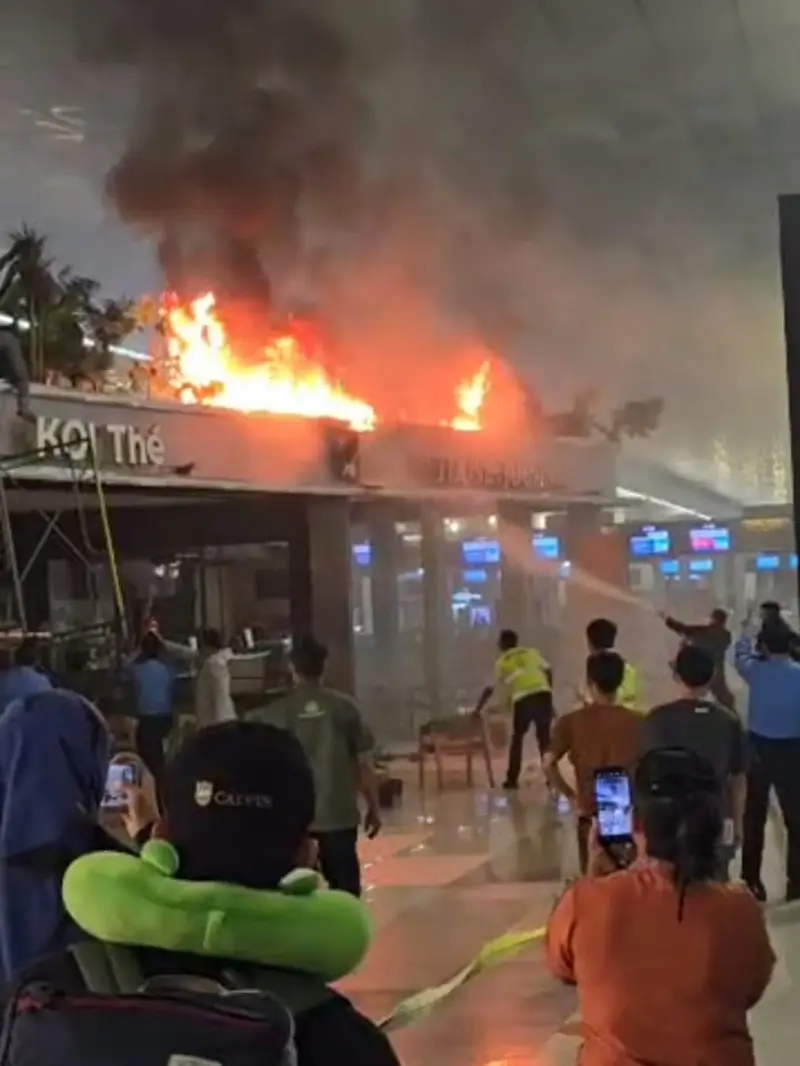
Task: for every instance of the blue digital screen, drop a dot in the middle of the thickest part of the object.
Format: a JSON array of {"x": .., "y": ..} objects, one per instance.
[
  {"x": 701, "y": 566},
  {"x": 474, "y": 577},
  {"x": 711, "y": 539},
  {"x": 670, "y": 566},
  {"x": 546, "y": 546},
  {"x": 362, "y": 554},
  {"x": 480, "y": 552},
  {"x": 650, "y": 541},
  {"x": 768, "y": 562},
  {"x": 792, "y": 562}
]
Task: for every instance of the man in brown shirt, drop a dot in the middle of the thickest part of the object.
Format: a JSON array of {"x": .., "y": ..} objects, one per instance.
[{"x": 601, "y": 733}]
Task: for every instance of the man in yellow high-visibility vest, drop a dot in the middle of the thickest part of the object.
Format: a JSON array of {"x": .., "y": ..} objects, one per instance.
[
  {"x": 525, "y": 676},
  {"x": 601, "y": 635}
]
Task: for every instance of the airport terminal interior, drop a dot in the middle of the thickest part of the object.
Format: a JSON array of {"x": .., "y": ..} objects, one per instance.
[{"x": 446, "y": 318}]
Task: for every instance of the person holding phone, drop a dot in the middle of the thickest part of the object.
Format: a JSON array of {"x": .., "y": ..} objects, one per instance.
[
  {"x": 340, "y": 748},
  {"x": 649, "y": 947},
  {"x": 597, "y": 734},
  {"x": 54, "y": 759}
]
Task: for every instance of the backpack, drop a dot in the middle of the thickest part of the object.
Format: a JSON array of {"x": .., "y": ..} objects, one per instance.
[{"x": 124, "y": 1019}]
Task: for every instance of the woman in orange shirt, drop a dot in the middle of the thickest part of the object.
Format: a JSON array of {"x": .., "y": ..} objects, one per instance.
[{"x": 666, "y": 961}]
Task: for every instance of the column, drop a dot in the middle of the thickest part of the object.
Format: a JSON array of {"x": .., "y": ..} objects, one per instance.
[
  {"x": 437, "y": 617},
  {"x": 789, "y": 224},
  {"x": 597, "y": 588},
  {"x": 319, "y": 582},
  {"x": 514, "y": 531},
  {"x": 384, "y": 670}
]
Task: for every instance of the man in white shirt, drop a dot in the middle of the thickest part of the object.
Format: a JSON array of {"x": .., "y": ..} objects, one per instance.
[{"x": 212, "y": 692}]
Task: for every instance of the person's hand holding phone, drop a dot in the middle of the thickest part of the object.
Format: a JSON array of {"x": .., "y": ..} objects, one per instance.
[{"x": 139, "y": 798}]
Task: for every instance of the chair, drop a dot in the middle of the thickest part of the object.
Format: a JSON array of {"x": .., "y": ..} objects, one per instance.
[{"x": 460, "y": 734}]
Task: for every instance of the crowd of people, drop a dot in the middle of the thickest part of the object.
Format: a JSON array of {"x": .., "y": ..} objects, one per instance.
[
  {"x": 646, "y": 931},
  {"x": 228, "y": 883},
  {"x": 202, "y": 885}
]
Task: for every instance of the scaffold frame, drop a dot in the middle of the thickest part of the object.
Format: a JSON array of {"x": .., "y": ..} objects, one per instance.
[{"x": 87, "y": 472}]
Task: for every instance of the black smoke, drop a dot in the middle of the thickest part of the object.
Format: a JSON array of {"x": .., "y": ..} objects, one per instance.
[{"x": 247, "y": 116}]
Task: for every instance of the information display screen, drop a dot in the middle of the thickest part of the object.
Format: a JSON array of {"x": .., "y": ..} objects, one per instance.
[
  {"x": 768, "y": 562},
  {"x": 480, "y": 552},
  {"x": 362, "y": 554},
  {"x": 670, "y": 567},
  {"x": 701, "y": 566},
  {"x": 474, "y": 577},
  {"x": 650, "y": 541},
  {"x": 712, "y": 539},
  {"x": 546, "y": 546}
]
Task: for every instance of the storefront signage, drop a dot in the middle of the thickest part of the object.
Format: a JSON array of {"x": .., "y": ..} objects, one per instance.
[
  {"x": 115, "y": 443},
  {"x": 447, "y": 473}
]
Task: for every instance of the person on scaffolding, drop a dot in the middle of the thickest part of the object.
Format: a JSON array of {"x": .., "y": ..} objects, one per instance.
[{"x": 526, "y": 677}]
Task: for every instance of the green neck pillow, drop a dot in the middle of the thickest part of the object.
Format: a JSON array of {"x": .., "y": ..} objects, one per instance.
[{"x": 137, "y": 900}]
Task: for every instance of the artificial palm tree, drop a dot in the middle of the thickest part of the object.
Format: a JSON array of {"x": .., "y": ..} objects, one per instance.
[
  {"x": 70, "y": 331},
  {"x": 27, "y": 288}
]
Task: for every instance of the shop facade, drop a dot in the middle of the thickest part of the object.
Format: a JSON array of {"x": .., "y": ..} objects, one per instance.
[{"x": 268, "y": 526}]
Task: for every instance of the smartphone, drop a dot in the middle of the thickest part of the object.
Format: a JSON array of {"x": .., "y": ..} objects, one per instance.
[
  {"x": 120, "y": 775},
  {"x": 614, "y": 798}
]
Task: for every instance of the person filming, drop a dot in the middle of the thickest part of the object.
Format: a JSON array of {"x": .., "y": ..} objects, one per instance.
[{"x": 651, "y": 947}]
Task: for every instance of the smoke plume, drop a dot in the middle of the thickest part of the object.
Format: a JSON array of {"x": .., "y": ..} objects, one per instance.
[{"x": 246, "y": 116}]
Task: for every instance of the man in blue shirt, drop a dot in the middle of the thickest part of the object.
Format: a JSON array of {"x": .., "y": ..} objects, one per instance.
[
  {"x": 774, "y": 730},
  {"x": 154, "y": 684},
  {"x": 22, "y": 679}
]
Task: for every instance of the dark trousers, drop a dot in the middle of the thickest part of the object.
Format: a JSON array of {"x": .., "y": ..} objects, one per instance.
[
  {"x": 534, "y": 710},
  {"x": 338, "y": 859},
  {"x": 775, "y": 764},
  {"x": 151, "y": 735},
  {"x": 584, "y": 829}
]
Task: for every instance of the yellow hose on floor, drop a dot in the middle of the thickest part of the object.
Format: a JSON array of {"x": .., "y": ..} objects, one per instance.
[{"x": 418, "y": 1006}]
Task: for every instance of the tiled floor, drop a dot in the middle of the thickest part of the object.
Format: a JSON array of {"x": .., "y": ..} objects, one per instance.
[{"x": 455, "y": 869}]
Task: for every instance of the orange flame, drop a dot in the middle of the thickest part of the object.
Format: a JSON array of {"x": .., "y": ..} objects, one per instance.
[
  {"x": 470, "y": 397},
  {"x": 203, "y": 368}
]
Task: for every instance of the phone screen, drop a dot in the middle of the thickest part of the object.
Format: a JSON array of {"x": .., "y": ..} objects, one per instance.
[
  {"x": 612, "y": 792},
  {"x": 120, "y": 774}
]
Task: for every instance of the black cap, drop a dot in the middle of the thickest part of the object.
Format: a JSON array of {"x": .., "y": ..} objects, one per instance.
[{"x": 239, "y": 802}]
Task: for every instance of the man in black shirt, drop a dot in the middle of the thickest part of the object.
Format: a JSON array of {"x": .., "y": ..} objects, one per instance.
[
  {"x": 772, "y": 617},
  {"x": 697, "y": 722},
  {"x": 715, "y": 638}
]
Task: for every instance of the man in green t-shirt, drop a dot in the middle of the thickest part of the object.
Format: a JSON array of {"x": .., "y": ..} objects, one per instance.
[{"x": 340, "y": 749}]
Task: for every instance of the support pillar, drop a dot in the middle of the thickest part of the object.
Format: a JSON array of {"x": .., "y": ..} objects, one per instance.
[
  {"x": 385, "y": 667},
  {"x": 319, "y": 575},
  {"x": 789, "y": 223},
  {"x": 597, "y": 588},
  {"x": 514, "y": 531},
  {"x": 437, "y": 618}
]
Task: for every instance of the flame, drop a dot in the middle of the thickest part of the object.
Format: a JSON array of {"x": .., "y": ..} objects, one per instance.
[
  {"x": 203, "y": 368},
  {"x": 470, "y": 397}
]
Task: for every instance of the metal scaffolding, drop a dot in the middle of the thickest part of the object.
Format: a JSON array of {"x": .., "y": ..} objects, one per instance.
[{"x": 81, "y": 474}]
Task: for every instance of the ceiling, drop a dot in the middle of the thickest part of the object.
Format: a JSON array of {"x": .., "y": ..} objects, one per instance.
[{"x": 641, "y": 145}]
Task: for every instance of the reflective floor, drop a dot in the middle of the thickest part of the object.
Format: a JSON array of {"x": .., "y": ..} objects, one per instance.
[{"x": 457, "y": 868}]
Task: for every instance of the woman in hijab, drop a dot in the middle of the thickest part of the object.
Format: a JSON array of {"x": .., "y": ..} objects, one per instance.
[{"x": 54, "y": 755}]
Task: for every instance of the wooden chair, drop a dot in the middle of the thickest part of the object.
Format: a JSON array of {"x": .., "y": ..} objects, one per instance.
[{"x": 461, "y": 734}]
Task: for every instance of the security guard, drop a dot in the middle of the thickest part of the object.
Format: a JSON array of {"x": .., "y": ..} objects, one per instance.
[
  {"x": 527, "y": 679},
  {"x": 601, "y": 635}
]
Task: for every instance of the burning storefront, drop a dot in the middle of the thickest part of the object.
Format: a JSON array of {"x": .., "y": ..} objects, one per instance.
[{"x": 247, "y": 520}]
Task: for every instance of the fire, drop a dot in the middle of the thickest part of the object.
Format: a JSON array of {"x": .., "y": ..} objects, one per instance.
[
  {"x": 470, "y": 397},
  {"x": 203, "y": 368}
]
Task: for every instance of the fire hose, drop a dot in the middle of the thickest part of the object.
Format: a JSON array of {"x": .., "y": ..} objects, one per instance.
[{"x": 418, "y": 1006}]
